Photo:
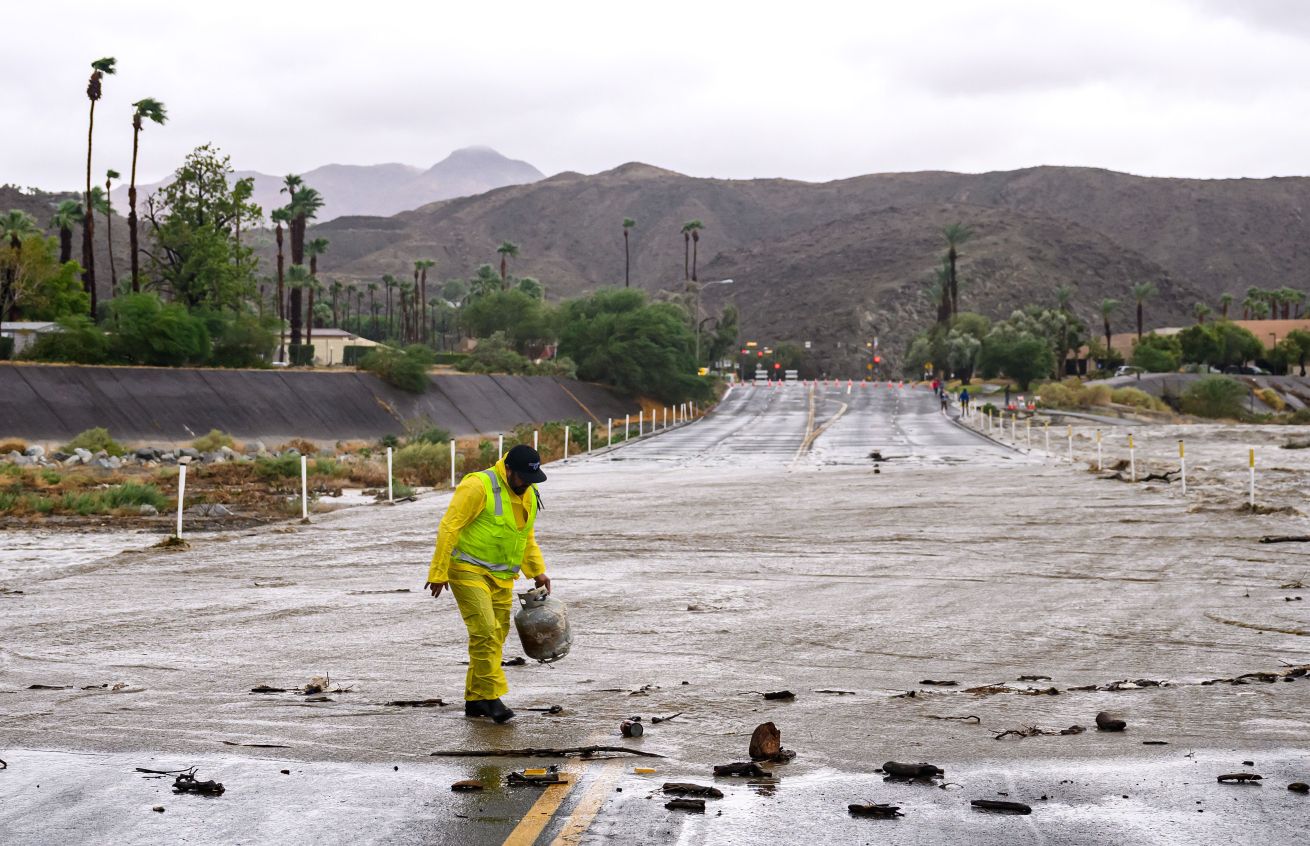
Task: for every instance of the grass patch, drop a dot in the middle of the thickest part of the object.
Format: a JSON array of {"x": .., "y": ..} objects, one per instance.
[
  {"x": 94, "y": 440},
  {"x": 1214, "y": 397},
  {"x": 214, "y": 441},
  {"x": 9, "y": 445}
]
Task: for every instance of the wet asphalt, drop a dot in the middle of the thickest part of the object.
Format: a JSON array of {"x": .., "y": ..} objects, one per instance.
[{"x": 753, "y": 551}]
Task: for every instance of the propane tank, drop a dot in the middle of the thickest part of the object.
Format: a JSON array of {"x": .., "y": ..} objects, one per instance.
[{"x": 543, "y": 626}]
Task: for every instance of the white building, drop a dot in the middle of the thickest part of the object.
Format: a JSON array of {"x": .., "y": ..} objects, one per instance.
[{"x": 25, "y": 332}]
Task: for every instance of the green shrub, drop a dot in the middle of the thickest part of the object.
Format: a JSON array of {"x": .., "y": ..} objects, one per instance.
[
  {"x": 1157, "y": 353},
  {"x": 279, "y": 467},
  {"x": 423, "y": 464},
  {"x": 1055, "y": 395},
  {"x": 327, "y": 467},
  {"x": 1097, "y": 395},
  {"x": 487, "y": 455},
  {"x": 1137, "y": 399},
  {"x": 352, "y": 354},
  {"x": 133, "y": 495},
  {"x": 83, "y": 504},
  {"x": 214, "y": 441},
  {"x": 79, "y": 341},
  {"x": 300, "y": 355},
  {"x": 1270, "y": 397},
  {"x": 1300, "y": 417},
  {"x": 94, "y": 440},
  {"x": 1215, "y": 396},
  {"x": 241, "y": 339},
  {"x": 6, "y": 349},
  {"x": 406, "y": 369},
  {"x": 147, "y": 330},
  {"x": 431, "y": 435}
]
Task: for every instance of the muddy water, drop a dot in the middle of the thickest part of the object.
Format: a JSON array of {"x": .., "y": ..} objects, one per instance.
[{"x": 702, "y": 568}]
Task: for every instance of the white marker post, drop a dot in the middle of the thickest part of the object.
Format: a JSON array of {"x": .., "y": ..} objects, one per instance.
[
  {"x": 391, "y": 495},
  {"x": 641, "y": 422},
  {"x": 304, "y": 488},
  {"x": 1251, "y": 462},
  {"x": 1182, "y": 464},
  {"x": 535, "y": 434},
  {"x": 1014, "y": 428},
  {"x": 452, "y": 461},
  {"x": 1028, "y": 432},
  {"x": 500, "y": 446},
  {"x": 666, "y": 417},
  {"x": 1099, "y": 465},
  {"x": 609, "y": 431},
  {"x": 588, "y": 436},
  {"x": 181, "y": 495},
  {"x": 566, "y": 443},
  {"x": 1132, "y": 458},
  {"x": 1069, "y": 434},
  {"x": 627, "y": 425}
]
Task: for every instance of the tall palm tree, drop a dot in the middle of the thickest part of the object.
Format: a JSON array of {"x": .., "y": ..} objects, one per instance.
[
  {"x": 313, "y": 249},
  {"x": 1253, "y": 295},
  {"x": 403, "y": 291},
  {"x": 335, "y": 290},
  {"x": 1142, "y": 292},
  {"x": 279, "y": 217},
  {"x": 1202, "y": 311},
  {"x": 389, "y": 283},
  {"x": 67, "y": 216},
  {"x": 298, "y": 278},
  {"x": 940, "y": 291},
  {"x": 507, "y": 251},
  {"x": 110, "y": 176},
  {"x": 14, "y": 227},
  {"x": 628, "y": 223},
  {"x": 99, "y": 69},
  {"x": 359, "y": 307},
  {"x": 1260, "y": 309},
  {"x": 686, "y": 251},
  {"x": 694, "y": 227},
  {"x": 372, "y": 307},
  {"x": 304, "y": 206},
  {"x": 955, "y": 234},
  {"x": 1225, "y": 300},
  {"x": 1107, "y": 308},
  {"x": 145, "y": 109},
  {"x": 1297, "y": 299},
  {"x": 1063, "y": 301},
  {"x": 422, "y": 265}
]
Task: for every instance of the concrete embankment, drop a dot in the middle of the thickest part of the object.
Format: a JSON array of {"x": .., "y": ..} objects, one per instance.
[{"x": 53, "y": 402}]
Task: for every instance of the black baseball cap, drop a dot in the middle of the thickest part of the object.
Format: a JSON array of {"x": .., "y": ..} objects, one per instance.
[{"x": 526, "y": 462}]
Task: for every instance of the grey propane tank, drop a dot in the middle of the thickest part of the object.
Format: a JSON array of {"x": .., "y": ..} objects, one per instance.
[{"x": 543, "y": 625}]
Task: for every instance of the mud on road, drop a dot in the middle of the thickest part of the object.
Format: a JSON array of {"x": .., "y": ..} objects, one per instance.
[{"x": 751, "y": 552}]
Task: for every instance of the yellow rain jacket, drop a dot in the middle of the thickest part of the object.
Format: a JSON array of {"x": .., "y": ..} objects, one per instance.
[{"x": 471, "y": 502}]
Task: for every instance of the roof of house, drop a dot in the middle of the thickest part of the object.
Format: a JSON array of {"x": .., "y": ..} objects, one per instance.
[
  {"x": 335, "y": 333},
  {"x": 27, "y": 325}
]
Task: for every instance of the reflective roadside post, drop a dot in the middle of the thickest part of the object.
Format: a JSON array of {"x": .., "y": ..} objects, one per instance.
[
  {"x": 304, "y": 488},
  {"x": 1046, "y": 430},
  {"x": 181, "y": 495},
  {"x": 566, "y": 443},
  {"x": 588, "y": 436},
  {"x": 535, "y": 434},
  {"x": 1069, "y": 434},
  {"x": 627, "y": 425},
  {"x": 391, "y": 494},
  {"x": 500, "y": 446},
  {"x": 1251, "y": 462},
  {"x": 452, "y": 460},
  {"x": 1099, "y": 466},
  {"x": 1028, "y": 432},
  {"x": 609, "y": 431},
  {"x": 1132, "y": 458},
  {"x": 641, "y": 422},
  {"x": 1182, "y": 465}
]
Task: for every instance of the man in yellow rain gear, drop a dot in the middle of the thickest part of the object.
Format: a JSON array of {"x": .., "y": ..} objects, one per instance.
[{"x": 485, "y": 540}]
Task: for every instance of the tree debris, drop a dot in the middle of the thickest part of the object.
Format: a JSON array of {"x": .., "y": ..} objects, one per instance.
[
  {"x": 421, "y": 703},
  {"x": 658, "y": 720},
  {"x": 941, "y": 683},
  {"x": 263, "y": 688},
  {"x": 684, "y": 788},
  {"x": 1240, "y": 778},
  {"x": 875, "y": 809},
  {"x": 907, "y": 772},
  {"x": 532, "y": 752},
  {"x": 468, "y": 785},
  {"x": 976, "y": 720},
  {"x": 255, "y": 745},
  {"x": 1001, "y": 807},
  {"x": 696, "y": 806},
  {"x": 780, "y": 694},
  {"x": 1034, "y": 731},
  {"x": 187, "y": 783},
  {"x": 747, "y": 769},
  {"x": 518, "y": 661},
  {"x": 837, "y": 692},
  {"x": 373, "y": 592},
  {"x": 49, "y": 687},
  {"x": 549, "y": 709},
  {"x": 1299, "y": 787},
  {"x": 1285, "y": 539},
  {"x": 1034, "y": 678},
  {"x": 1105, "y": 721}
]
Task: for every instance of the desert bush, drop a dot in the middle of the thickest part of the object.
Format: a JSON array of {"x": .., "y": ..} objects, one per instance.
[
  {"x": 431, "y": 435},
  {"x": 1300, "y": 417},
  {"x": 1214, "y": 396},
  {"x": 94, "y": 440},
  {"x": 1268, "y": 396},
  {"x": 132, "y": 495},
  {"x": 279, "y": 467},
  {"x": 1097, "y": 395},
  {"x": 406, "y": 369},
  {"x": 1055, "y": 395},
  {"x": 9, "y": 445},
  {"x": 1137, "y": 399},
  {"x": 300, "y": 445},
  {"x": 214, "y": 441},
  {"x": 328, "y": 467},
  {"x": 422, "y": 463}
]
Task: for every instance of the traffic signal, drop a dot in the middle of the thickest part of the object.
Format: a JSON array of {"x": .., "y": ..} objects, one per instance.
[
  {"x": 759, "y": 354},
  {"x": 877, "y": 359},
  {"x": 777, "y": 365}
]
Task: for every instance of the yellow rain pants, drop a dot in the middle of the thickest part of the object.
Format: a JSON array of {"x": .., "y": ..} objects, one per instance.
[{"x": 485, "y": 604}]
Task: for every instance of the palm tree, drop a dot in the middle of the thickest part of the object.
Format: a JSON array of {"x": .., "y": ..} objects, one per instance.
[
  {"x": 110, "y": 176},
  {"x": 1287, "y": 296},
  {"x": 940, "y": 292},
  {"x": 1142, "y": 292},
  {"x": 152, "y": 110},
  {"x": 304, "y": 206},
  {"x": 313, "y": 249},
  {"x": 66, "y": 217},
  {"x": 628, "y": 223},
  {"x": 373, "y": 309},
  {"x": 1063, "y": 299},
  {"x": 507, "y": 251},
  {"x": 99, "y": 69},
  {"x": 422, "y": 266},
  {"x": 1253, "y": 295},
  {"x": 1202, "y": 311},
  {"x": 389, "y": 282},
  {"x": 1225, "y": 300},
  {"x": 14, "y": 227},
  {"x": 1297, "y": 298},
  {"x": 955, "y": 234},
  {"x": 359, "y": 305},
  {"x": 298, "y": 277},
  {"x": 403, "y": 291},
  {"x": 279, "y": 217},
  {"x": 1107, "y": 308},
  {"x": 686, "y": 251},
  {"x": 335, "y": 290},
  {"x": 1260, "y": 310},
  {"x": 693, "y": 227}
]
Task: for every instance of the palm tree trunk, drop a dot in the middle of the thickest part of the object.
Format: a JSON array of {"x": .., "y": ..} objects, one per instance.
[
  {"x": 1139, "y": 320},
  {"x": 627, "y": 261},
  {"x": 686, "y": 255},
  {"x": 955, "y": 289},
  {"x": 109, "y": 240},
  {"x": 423, "y": 298},
  {"x": 88, "y": 223},
  {"x": 65, "y": 244},
  {"x": 1107, "y": 338},
  {"x": 373, "y": 311},
  {"x": 695, "y": 248}
]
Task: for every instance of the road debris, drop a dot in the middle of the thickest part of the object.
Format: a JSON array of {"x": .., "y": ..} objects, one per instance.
[
  {"x": 187, "y": 783},
  {"x": 632, "y": 727},
  {"x": 685, "y": 788},
  {"x": 1240, "y": 778},
  {"x": 548, "y": 775},
  {"x": 532, "y": 752},
  {"x": 1034, "y": 678},
  {"x": 518, "y": 661},
  {"x": 468, "y": 785},
  {"x": 967, "y": 718},
  {"x": 766, "y": 744},
  {"x": 374, "y": 592},
  {"x": 158, "y": 809},
  {"x": 941, "y": 683},
  {"x": 1105, "y": 721},
  {"x": 1285, "y": 539},
  {"x": 420, "y": 703},
  {"x": 49, "y": 687},
  {"x": 255, "y": 745},
  {"x": 696, "y": 806},
  {"x": 780, "y": 695},
  {"x": 1299, "y": 787},
  {"x": 658, "y": 720},
  {"x": 875, "y": 809},
  {"x": 549, "y": 709},
  {"x": 1034, "y": 731},
  {"x": 912, "y": 772},
  {"x": 997, "y": 806},
  {"x": 743, "y": 769}
]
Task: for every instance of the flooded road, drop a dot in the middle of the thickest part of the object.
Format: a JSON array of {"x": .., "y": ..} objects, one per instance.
[{"x": 753, "y": 551}]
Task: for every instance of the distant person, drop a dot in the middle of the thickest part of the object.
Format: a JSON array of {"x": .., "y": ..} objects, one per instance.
[
  {"x": 946, "y": 400},
  {"x": 1007, "y": 396},
  {"x": 485, "y": 540},
  {"x": 964, "y": 402}
]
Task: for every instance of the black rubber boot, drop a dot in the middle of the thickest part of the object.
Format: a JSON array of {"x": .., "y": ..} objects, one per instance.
[
  {"x": 478, "y": 707},
  {"x": 498, "y": 711}
]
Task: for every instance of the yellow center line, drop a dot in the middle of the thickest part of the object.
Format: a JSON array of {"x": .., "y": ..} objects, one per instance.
[
  {"x": 540, "y": 814},
  {"x": 589, "y": 805}
]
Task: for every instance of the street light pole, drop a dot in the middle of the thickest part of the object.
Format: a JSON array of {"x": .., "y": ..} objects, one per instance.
[{"x": 699, "y": 291}]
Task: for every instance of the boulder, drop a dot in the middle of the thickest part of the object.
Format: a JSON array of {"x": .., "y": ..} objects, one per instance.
[
  {"x": 61, "y": 457},
  {"x": 35, "y": 451},
  {"x": 147, "y": 510},
  {"x": 71, "y": 460},
  {"x": 189, "y": 452},
  {"x": 209, "y": 509},
  {"x": 147, "y": 453},
  {"x": 83, "y": 454},
  {"x": 256, "y": 448},
  {"x": 114, "y": 462},
  {"x": 22, "y": 460}
]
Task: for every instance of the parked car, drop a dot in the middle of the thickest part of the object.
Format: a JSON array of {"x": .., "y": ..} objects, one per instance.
[
  {"x": 1246, "y": 370},
  {"x": 1127, "y": 370}
]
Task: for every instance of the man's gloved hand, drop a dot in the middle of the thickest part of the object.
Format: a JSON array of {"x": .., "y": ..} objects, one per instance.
[
  {"x": 543, "y": 581},
  {"x": 435, "y": 587}
]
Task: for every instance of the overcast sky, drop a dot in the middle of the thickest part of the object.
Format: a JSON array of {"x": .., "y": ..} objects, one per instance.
[{"x": 814, "y": 90}]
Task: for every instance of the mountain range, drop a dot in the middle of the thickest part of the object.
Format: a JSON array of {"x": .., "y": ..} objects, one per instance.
[{"x": 384, "y": 189}]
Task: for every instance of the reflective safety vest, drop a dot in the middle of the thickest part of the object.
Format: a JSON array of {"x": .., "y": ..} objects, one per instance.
[{"x": 493, "y": 540}]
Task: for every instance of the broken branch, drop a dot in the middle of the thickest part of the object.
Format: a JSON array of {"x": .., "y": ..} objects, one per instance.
[{"x": 531, "y": 752}]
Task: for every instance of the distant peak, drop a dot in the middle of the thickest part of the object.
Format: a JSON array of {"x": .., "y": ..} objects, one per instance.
[{"x": 641, "y": 170}]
